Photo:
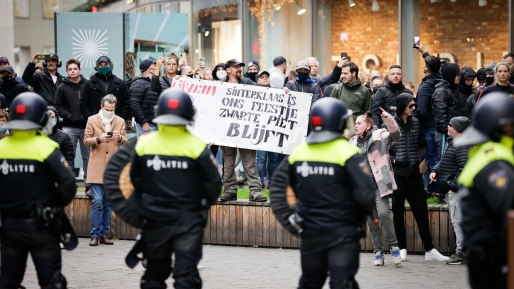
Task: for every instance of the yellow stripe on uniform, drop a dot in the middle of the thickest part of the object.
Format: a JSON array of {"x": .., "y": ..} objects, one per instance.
[
  {"x": 27, "y": 145},
  {"x": 337, "y": 151}
]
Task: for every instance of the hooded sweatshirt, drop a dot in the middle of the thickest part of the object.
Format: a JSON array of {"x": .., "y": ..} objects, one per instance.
[
  {"x": 466, "y": 90},
  {"x": 67, "y": 103},
  {"x": 446, "y": 102}
]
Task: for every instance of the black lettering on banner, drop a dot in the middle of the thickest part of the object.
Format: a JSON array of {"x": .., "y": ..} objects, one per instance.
[{"x": 258, "y": 136}]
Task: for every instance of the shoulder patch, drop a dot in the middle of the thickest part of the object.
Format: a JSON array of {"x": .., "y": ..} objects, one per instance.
[
  {"x": 364, "y": 167},
  {"x": 498, "y": 179},
  {"x": 64, "y": 162}
]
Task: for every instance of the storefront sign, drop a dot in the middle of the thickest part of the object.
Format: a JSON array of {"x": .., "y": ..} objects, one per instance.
[{"x": 246, "y": 116}]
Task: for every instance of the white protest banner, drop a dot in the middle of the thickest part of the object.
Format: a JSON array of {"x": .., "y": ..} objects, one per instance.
[{"x": 247, "y": 116}]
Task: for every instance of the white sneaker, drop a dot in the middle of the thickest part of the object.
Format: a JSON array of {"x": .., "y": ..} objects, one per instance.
[
  {"x": 403, "y": 254},
  {"x": 434, "y": 255},
  {"x": 395, "y": 253},
  {"x": 378, "y": 259}
]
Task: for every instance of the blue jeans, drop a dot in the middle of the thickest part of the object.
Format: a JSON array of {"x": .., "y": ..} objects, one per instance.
[
  {"x": 140, "y": 131},
  {"x": 100, "y": 212},
  {"x": 266, "y": 162},
  {"x": 430, "y": 158},
  {"x": 77, "y": 134}
]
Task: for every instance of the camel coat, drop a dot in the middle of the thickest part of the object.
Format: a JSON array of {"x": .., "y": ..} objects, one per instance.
[{"x": 101, "y": 153}]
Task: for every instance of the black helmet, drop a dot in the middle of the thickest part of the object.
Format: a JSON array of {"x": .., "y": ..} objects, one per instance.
[
  {"x": 328, "y": 120},
  {"x": 28, "y": 111},
  {"x": 174, "y": 107},
  {"x": 488, "y": 119}
]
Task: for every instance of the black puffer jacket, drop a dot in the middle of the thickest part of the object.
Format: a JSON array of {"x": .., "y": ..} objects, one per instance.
[
  {"x": 142, "y": 99},
  {"x": 407, "y": 153},
  {"x": 99, "y": 86},
  {"x": 11, "y": 89},
  {"x": 308, "y": 86},
  {"x": 67, "y": 103},
  {"x": 385, "y": 97},
  {"x": 450, "y": 166},
  {"x": 42, "y": 82},
  {"x": 446, "y": 102},
  {"x": 465, "y": 90},
  {"x": 160, "y": 84},
  {"x": 424, "y": 99},
  {"x": 64, "y": 141}
]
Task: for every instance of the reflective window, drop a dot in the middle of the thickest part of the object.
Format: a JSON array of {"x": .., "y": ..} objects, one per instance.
[
  {"x": 21, "y": 9},
  {"x": 49, "y": 7}
]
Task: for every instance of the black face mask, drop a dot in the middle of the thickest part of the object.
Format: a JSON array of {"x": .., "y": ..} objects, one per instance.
[
  {"x": 489, "y": 81},
  {"x": 303, "y": 76},
  {"x": 6, "y": 78},
  {"x": 189, "y": 75},
  {"x": 252, "y": 75}
]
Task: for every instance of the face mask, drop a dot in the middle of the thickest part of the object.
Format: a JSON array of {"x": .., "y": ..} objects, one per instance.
[
  {"x": 252, "y": 75},
  {"x": 2, "y": 128},
  {"x": 489, "y": 81},
  {"x": 189, "y": 75},
  {"x": 303, "y": 76},
  {"x": 54, "y": 122},
  {"x": 222, "y": 74},
  {"x": 104, "y": 70},
  {"x": 6, "y": 78},
  {"x": 107, "y": 114}
]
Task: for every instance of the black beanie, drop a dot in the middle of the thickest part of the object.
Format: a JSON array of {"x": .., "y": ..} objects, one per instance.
[
  {"x": 145, "y": 64},
  {"x": 460, "y": 123}
]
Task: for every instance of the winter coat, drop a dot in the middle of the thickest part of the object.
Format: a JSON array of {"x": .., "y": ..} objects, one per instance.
[
  {"x": 355, "y": 96},
  {"x": 446, "y": 101},
  {"x": 246, "y": 81},
  {"x": 508, "y": 89},
  {"x": 376, "y": 146},
  {"x": 3, "y": 102},
  {"x": 67, "y": 103},
  {"x": 42, "y": 82},
  {"x": 308, "y": 86},
  {"x": 424, "y": 99},
  {"x": 142, "y": 99},
  {"x": 465, "y": 90},
  {"x": 330, "y": 78},
  {"x": 10, "y": 90},
  {"x": 101, "y": 153},
  {"x": 160, "y": 84},
  {"x": 99, "y": 86},
  {"x": 276, "y": 78},
  {"x": 66, "y": 146},
  {"x": 450, "y": 166},
  {"x": 385, "y": 97}
]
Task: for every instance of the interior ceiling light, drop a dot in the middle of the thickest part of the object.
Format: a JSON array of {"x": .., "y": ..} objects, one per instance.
[
  {"x": 375, "y": 6},
  {"x": 300, "y": 9},
  {"x": 278, "y": 7},
  {"x": 351, "y": 3}
]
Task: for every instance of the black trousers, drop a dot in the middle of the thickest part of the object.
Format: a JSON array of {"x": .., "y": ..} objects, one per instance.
[
  {"x": 485, "y": 268},
  {"x": 43, "y": 247},
  {"x": 329, "y": 254},
  {"x": 160, "y": 244},
  {"x": 412, "y": 190}
]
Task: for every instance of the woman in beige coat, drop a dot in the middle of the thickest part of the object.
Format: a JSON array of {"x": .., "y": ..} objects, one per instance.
[{"x": 105, "y": 133}]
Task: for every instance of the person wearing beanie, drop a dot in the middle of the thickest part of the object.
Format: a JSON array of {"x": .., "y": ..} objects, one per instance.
[
  {"x": 277, "y": 73},
  {"x": 385, "y": 96},
  {"x": 100, "y": 84},
  {"x": 303, "y": 82},
  {"x": 481, "y": 76},
  {"x": 143, "y": 98},
  {"x": 252, "y": 70},
  {"x": 446, "y": 173}
]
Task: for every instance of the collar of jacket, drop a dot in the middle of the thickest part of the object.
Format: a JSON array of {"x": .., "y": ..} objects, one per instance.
[
  {"x": 394, "y": 87},
  {"x": 308, "y": 80},
  {"x": 97, "y": 77},
  {"x": 442, "y": 82},
  {"x": 25, "y": 133},
  {"x": 172, "y": 129},
  {"x": 45, "y": 72},
  {"x": 399, "y": 119},
  {"x": 353, "y": 84}
]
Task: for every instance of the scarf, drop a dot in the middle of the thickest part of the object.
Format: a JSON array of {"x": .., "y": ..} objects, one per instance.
[{"x": 106, "y": 121}]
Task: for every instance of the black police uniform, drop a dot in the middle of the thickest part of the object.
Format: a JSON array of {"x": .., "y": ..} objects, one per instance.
[
  {"x": 487, "y": 183},
  {"x": 178, "y": 181},
  {"x": 330, "y": 179},
  {"x": 30, "y": 167}
]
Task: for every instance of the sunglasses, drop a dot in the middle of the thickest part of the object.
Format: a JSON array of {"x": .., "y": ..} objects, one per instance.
[
  {"x": 450, "y": 125},
  {"x": 413, "y": 106}
]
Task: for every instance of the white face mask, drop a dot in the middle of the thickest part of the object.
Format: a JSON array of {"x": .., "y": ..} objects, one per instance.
[
  {"x": 222, "y": 74},
  {"x": 107, "y": 114}
]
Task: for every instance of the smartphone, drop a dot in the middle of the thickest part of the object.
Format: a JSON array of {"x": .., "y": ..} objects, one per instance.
[
  {"x": 344, "y": 55},
  {"x": 44, "y": 57},
  {"x": 109, "y": 133},
  {"x": 416, "y": 39},
  {"x": 202, "y": 60}
]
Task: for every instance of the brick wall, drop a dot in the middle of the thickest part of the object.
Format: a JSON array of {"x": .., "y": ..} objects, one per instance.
[{"x": 368, "y": 32}]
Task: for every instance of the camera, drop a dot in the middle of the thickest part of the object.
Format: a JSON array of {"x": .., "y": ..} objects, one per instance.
[{"x": 44, "y": 57}]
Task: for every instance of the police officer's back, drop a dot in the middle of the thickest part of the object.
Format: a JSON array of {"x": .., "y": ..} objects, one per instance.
[
  {"x": 330, "y": 179},
  {"x": 488, "y": 180},
  {"x": 178, "y": 181},
  {"x": 35, "y": 185}
]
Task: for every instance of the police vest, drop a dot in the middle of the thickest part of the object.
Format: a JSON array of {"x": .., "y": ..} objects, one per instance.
[
  {"x": 483, "y": 155},
  {"x": 334, "y": 152},
  {"x": 25, "y": 179}
]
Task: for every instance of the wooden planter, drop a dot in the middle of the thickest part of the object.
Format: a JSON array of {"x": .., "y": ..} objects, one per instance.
[{"x": 243, "y": 223}]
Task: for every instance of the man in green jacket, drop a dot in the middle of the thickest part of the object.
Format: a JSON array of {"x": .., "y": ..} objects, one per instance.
[{"x": 351, "y": 92}]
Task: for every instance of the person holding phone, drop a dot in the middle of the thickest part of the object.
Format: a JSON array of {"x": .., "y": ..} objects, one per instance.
[
  {"x": 105, "y": 133},
  {"x": 44, "y": 83},
  {"x": 170, "y": 62}
]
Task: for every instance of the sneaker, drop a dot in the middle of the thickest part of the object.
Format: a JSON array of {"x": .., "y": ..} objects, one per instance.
[
  {"x": 456, "y": 259},
  {"x": 403, "y": 254},
  {"x": 395, "y": 253},
  {"x": 434, "y": 255},
  {"x": 379, "y": 259},
  {"x": 228, "y": 197},
  {"x": 258, "y": 198}
]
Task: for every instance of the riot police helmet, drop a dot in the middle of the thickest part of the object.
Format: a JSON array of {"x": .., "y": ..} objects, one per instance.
[
  {"x": 174, "y": 107},
  {"x": 489, "y": 120},
  {"x": 329, "y": 119},
  {"x": 28, "y": 111}
]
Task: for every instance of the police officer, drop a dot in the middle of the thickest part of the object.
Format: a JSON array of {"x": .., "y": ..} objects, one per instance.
[
  {"x": 178, "y": 180},
  {"x": 488, "y": 189},
  {"x": 35, "y": 185},
  {"x": 330, "y": 180}
]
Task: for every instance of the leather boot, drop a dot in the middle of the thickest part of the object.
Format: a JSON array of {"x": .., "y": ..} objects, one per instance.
[
  {"x": 106, "y": 241},
  {"x": 94, "y": 241}
]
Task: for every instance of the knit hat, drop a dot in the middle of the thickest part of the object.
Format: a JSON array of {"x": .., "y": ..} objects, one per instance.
[
  {"x": 279, "y": 60},
  {"x": 145, "y": 64},
  {"x": 481, "y": 74},
  {"x": 254, "y": 63},
  {"x": 460, "y": 123}
]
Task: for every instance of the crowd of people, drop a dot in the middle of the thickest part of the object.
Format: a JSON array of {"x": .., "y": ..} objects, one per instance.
[{"x": 406, "y": 137}]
